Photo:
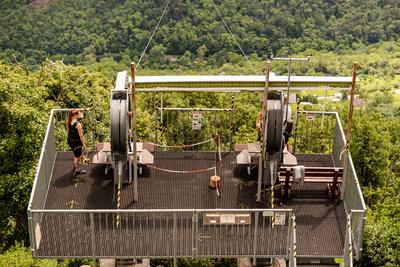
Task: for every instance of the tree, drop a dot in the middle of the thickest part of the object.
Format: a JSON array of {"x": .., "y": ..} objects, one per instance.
[
  {"x": 200, "y": 54},
  {"x": 157, "y": 56},
  {"x": 185, "y": 60}
]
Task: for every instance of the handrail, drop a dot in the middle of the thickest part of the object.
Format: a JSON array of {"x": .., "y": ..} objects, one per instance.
[
  {"x": 42, "y": 154},
  {"x": 155, "y": 210},
  {"x": 364, "y": 206},
  {"x": 157, "y": 225},
  {"x": 318, "y": 112}
]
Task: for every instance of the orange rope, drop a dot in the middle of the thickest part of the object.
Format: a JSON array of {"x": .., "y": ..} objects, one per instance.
[{"x": 176, "y": 171}]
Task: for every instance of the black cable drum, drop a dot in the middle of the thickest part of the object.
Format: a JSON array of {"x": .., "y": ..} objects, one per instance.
[
  {"x": 118, "y": 110},
  {"x": 274, "y": 126}
]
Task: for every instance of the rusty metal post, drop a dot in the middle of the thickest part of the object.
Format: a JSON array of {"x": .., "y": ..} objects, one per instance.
[
  {"x": 263, "y": 138},
  {"x": 133, "y": 131},
  {"x": 232, "y": 126},
  {"x": 348, "y": 130}
]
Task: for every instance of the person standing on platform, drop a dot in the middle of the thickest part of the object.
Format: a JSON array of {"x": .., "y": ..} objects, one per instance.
[{"x": 76, "y": 139}]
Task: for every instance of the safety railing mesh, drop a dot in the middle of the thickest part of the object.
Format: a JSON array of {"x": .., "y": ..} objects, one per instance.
[
  {"x": 161, "y": 233},
  {"x": 338, "y": 144},
  {"x": 44, "y": 168},
  {"x": 313, "y": 132},
  {"x": 187, "y": 129},
  {"x": 353, "y": 198}
]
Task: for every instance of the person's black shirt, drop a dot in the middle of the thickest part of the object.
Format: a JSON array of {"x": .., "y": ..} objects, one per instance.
[{"x": 74, "y": 140}]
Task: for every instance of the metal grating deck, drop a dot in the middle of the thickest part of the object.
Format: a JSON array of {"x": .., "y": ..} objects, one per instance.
[{"x": 320, "y": 221}]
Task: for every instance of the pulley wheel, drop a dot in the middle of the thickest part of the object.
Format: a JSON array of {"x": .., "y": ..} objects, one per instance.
[
  {"x": 274, "y": 126},
  {"x": 118, "y": 125}
]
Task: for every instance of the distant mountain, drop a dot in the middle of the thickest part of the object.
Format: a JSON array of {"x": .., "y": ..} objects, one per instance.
[{"x": 82, "y": 31}]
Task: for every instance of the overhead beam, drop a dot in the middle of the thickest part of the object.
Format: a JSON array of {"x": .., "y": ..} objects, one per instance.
[{"x": 237, "y": 83}]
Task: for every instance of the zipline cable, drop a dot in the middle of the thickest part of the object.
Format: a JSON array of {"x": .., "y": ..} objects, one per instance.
[
  {"x": 237, "y": 43},
  {"x": 18, "y": 10},
  {"x": 152, "y": 35}
]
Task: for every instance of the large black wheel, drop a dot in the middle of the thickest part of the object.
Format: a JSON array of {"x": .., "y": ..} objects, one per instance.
[
  {"x": 274, "y": 126},
  {"x": 119, "y": 125}
]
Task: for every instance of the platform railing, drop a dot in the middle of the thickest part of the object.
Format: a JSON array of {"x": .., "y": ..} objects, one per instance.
[
  {"x": 354, "y": 203},
  {"x": 44, "y": 168},
  {"x": 206, "y": 233},
  {"x": 313, "y": 132},
  {"x": 43, "y": 174},
  {"x": 353, "y": 198}
]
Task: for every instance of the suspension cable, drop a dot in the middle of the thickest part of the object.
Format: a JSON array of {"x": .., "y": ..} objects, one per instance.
[
  {"x": 18, "y": 10},
  {"x": 237, "y": 43},
  {"x": 152, "y": 35}
]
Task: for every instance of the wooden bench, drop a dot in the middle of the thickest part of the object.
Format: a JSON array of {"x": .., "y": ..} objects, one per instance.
[
  {"x": 240, "y": 147},
  {"x": 329, "y": 175}
]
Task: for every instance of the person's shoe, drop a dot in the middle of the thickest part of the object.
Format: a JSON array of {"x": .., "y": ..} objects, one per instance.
[{"x": 79, "y": 172}]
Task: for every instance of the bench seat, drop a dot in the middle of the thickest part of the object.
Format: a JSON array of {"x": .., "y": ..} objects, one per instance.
[{"x": 330, "y": 175}]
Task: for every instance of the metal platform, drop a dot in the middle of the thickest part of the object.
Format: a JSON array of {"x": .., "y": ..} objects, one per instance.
[
  {"x": 318, "y": 218},
  {"x": 178, "y": 215}
]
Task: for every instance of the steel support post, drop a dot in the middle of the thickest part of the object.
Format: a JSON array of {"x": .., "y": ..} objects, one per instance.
[
  {"x": 263, "y": 138},
  {"x": 133, "y": 132},
  {"x": 255, "y": 237}
]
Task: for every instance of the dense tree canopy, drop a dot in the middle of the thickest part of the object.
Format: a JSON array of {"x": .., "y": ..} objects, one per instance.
[
  {"x": 86, "y": 31},
  {"x": 25, "y": 101}
]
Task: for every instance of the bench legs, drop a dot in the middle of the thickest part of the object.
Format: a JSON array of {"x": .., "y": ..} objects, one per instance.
[{"x": 335, "y": 183}]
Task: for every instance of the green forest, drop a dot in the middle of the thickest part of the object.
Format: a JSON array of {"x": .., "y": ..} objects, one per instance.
[{"x": 64, "y": 54}]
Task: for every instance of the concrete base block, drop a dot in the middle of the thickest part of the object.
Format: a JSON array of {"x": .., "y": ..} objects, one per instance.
[
  {"x": 107, "y": 263},
  {"x": 122, "y": 263},
  {"x": 247, "y": 262}
]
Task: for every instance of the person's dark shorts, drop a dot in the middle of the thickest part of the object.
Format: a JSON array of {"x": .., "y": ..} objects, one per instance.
[{"x": 77, "y": 152}]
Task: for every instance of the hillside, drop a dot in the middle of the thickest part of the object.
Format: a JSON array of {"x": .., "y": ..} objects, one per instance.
[{"x": 82, "y": 32}]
